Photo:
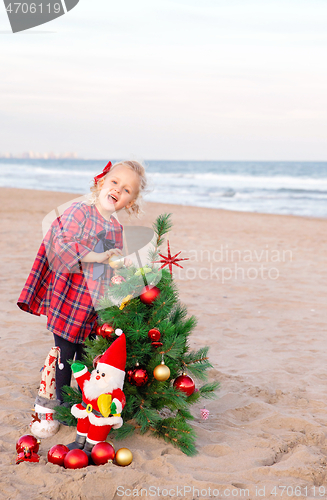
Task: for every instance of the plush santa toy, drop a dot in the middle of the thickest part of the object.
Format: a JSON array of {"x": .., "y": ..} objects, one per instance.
[{"x": 103, "y": 398}]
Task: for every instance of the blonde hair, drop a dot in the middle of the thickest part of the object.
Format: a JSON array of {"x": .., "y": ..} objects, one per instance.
[{"x": 137, "y": 167}]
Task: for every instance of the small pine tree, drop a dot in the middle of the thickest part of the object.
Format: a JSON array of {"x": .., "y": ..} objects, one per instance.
[{"x": 156, "y": 406}]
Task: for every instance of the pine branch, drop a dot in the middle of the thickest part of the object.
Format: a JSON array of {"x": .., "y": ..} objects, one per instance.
[
  {"x": 185, "y": 414},
  {"x": 93, "y": 348},
  {"x": 162, "y": 226},
  {"x": 167, "y": 397},
  {"x": 197, "y": 356},
  {"x": 199, "y": 371},
  {"x": 71, "y": 395},
  {"x": 63, "y": 413},
  {"x": 176, "y": 348},
  {"x": 178, "y": 314},
  {"x": 123, "y": 432},
  {"x": 208, "y": 390},
  {"x": 196, "y": 362},
  {"x": 177, "y": 432},
  {"x": 146, "y": 416}
]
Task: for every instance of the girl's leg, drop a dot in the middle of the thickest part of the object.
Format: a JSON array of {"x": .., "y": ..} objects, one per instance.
[
  {"x": 80, "y": 348},
  {"x": 67, "y": 351}
]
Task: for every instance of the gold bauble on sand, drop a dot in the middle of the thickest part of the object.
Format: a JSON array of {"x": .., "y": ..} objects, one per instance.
[
  {"x": 123, "y": 457},
  {"x": 116, "y": 262},
  {"x": 161, "y": 372}
]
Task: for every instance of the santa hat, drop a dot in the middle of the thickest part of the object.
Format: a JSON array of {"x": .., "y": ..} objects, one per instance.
[
  {"x": 115, "y": 355},
  {"x": 47, "y": 391}
]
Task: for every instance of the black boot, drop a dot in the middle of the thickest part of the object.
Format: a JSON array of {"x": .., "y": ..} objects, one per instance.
[
  {"x": 88, "y": 447},
  {"x": 78, "y": 444}
]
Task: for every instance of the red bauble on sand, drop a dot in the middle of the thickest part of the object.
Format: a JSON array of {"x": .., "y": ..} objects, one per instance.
[
  {"x": 27, "y": 442},
  {"x": 154, "y": 334},
  {"x": 149, "y": 294},
  {"x": 185, "y": 384},
  {"x": 102, "y": 453},
  {"x": 56, "y": 454},
  {"x": 76, "y": 459},
  {"x": 27, "y": 456},
  {"x": 137, "y": 376}
]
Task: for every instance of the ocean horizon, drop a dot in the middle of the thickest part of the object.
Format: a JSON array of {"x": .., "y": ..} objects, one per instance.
[{"x": 283, "y": 187}]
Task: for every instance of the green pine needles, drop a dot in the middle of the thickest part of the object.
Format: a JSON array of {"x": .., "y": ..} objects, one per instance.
[{"x": 156, "y": 406}]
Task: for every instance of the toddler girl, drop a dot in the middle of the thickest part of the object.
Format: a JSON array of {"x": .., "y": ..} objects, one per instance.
[{"x": 71, "y": 272}]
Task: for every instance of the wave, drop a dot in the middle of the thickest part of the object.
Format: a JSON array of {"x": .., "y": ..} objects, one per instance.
[
  {"x": 231, "y": 180},
  {"x": 239, "y": 187},
  {"x": 276, "y": 182}
]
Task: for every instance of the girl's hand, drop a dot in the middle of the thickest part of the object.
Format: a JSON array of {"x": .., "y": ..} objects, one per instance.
[
  {"x": 105, "y": 256},
  {"x": 114, "y": 251},
  {"x": 128, "y": 262},
  {"x": 101, "y": 257}
]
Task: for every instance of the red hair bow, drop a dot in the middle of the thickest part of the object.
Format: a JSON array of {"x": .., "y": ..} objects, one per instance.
[{"x": 103, "y": 173}]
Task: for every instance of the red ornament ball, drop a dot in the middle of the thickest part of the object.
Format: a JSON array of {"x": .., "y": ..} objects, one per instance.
[
  {"x": 156, "y": 344},
  {"x": 76, "y": 459},
  {"x": 149, "y": 295},
  {"x": 102, "y": 453},
  {"x": 185, "y": 384},
  {"x": 27, "y": 442},
  {"x": 57, "y": 453},
  {"x": 137, "y": 376},
  {"x": 154, "y": 334},
  {"x": 27, "y": 456},
  {"x": 107, "y": 330},
  {"x": 96, "y": 360},
  {"x": 98, "y": 330}
]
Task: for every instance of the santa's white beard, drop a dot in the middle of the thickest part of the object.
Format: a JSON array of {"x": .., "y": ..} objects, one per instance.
[{"x": 94, "y": 388}]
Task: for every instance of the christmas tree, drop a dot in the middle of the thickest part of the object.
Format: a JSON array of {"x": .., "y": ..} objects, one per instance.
[{"x": 160, "y": 365}]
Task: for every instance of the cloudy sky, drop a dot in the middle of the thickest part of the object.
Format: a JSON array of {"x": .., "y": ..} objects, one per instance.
[{"x": 153, "y": 79}]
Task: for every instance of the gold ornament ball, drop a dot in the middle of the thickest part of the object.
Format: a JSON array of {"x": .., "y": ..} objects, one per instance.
[
  {"x": 123, "y": 457},
  {"x": 116, "y": 262},
  {"x": 161, "y": 372}
]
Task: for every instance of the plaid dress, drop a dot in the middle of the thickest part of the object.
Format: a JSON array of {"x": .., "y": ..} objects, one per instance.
[{"x": 59, "y": 285}]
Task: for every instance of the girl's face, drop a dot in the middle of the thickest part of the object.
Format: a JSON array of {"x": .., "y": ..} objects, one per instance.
[{"x": 119, "y": 190}]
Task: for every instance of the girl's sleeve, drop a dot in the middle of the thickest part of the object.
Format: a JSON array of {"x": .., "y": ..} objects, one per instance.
[{"x": 69, "y": 242}]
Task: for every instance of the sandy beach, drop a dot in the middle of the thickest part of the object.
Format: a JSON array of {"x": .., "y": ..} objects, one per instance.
[{"x": 257, "y": 284}]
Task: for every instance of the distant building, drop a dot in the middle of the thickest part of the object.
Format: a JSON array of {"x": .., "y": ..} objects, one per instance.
[{"x": 31, "y": 155}]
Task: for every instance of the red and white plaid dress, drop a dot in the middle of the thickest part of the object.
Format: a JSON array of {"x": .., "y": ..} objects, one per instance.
[{"x": 59, "y": 285}]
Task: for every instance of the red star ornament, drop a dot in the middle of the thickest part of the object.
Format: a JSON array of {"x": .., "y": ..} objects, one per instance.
[{"x": 169, "y": 260}]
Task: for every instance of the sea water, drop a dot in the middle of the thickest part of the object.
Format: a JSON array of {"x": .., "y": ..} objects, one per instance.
[{"x": 298, "y": 188}]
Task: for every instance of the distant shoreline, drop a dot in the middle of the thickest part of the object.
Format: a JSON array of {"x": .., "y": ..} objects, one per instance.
[{"x": 80, "y": 158}]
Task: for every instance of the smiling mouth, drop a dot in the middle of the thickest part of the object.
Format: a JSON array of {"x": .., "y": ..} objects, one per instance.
[{"x": 112, "y": 197}]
